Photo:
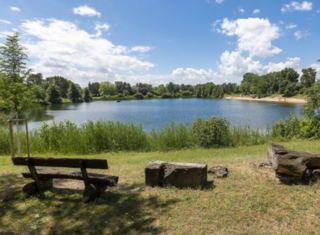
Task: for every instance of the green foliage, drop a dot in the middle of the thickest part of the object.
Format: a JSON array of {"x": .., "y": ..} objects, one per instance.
[
  {"x": 61, "y": 82},
  {"x": 308, "y": 77},
  {"x": 253, "y": 90},
  {"x": 211, "y": 133},
  {"x": 291, "y": 89},
  {"x": 107, "y": 88},
  {"x": 149, "y": 95},
  {"x": 39, "y": 93},
  {"x": 126, "y": 93},
  {"x": 161, "y": 89},
  {"x": 86, "y": 95},
  {"x": 186, "y": 93},
  {"x": 94, "y": 88},
  {"x": 164, "y": 96},
  {"x": 53, "y": 94},
  {"x": 138, "y": 96},
  {"x": 73, "y": 93},
  {"x": 313, "y": 104},
  {"x": 15, "y": 92},
  {"x": 120, "y": 95}
]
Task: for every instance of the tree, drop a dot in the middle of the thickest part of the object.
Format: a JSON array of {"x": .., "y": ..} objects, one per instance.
[
  {"x": 73, "y": 92},
  {"x": 36, "y": 79},
  {"x": 94, "y": 88},
  {"x": 107, "y": 88},
  {"x": 313, "y": 104},
  {"x": 170, "y": 87},
  {"x": 126, "y": 92},
  {"x": 253, "y": 90},
  {"x": 61, "y": 82},
  {"x": 53, "y": 94},
  {"x": 289, "y": 74},
  {"x": 15, "y": 91},
  {"x": 161, "y": 89},
  {"x": 308, "y": 77},
  {"x": 86, "y": 95},
  {"x": 39, "y": 92}
]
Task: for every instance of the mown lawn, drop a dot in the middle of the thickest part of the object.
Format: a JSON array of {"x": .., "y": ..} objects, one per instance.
[{"x": 249, "y": 201}]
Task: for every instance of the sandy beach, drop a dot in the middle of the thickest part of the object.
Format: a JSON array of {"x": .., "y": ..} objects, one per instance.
[{"x": 270, "y": 99}]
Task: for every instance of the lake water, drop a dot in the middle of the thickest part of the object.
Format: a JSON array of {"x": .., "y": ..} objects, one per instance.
[{"x": 158, "y": 112}]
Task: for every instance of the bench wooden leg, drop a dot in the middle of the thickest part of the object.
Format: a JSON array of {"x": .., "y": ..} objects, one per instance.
[
  {"x": 90, "y": 192},
  {"x": 32, "y": 188}
]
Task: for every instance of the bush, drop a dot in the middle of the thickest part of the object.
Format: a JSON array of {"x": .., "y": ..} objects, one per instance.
[
  {"x": 149, "y": 95},
  {"x": 138, "y": 96},
  {"x": 126, "y": 93},
  {"x": 164, "y": 96},
  {"x": 186, "y": 93},
  {"x": 211, "y": 133},
  {"x": 120, "y": 95}
]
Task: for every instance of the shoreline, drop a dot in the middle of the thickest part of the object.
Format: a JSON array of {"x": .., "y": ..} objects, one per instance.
[{"x": 269, "y": 99}]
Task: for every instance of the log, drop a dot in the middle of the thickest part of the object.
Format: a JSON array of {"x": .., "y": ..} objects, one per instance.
[
  {"x": 180, "y": 175},
  {"x": 291, "y": 165}
]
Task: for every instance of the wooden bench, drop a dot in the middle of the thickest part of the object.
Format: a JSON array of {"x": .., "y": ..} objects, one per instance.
[{"x": 95, "y": 184}]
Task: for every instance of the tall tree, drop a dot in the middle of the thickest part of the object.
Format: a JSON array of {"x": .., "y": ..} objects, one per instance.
[
  {"x": 107, "y": 88},
  {"x": 73, "y": 92},
  {"x": 14, "y": 89},
  {"x": 53, "y": 94},
  {"x": 161, "y": 89},
  {"x": 308, "y": 77},
  {"x": 86, "y": 95},
  {"x": 36, "y": 79}
]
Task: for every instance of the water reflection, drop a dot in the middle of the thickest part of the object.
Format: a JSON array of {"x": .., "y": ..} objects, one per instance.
[{"x": 156, "y": 113}]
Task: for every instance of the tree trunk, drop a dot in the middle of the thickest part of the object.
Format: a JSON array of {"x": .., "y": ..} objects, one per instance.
[
  {"x": 17, "y": 124},
  {"x": 291, "y": 165}
]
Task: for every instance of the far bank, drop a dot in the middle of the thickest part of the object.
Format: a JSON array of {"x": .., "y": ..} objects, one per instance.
[{"x": 278, "y": 99}]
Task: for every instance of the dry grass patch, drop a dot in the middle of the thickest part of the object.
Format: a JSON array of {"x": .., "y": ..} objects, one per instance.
[{"x": 249, "y": 201}]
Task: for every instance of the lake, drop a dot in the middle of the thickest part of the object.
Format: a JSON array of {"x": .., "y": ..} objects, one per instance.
[{"x": 157, "y": 112}]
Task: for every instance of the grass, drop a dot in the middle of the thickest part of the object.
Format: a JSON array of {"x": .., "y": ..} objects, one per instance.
[{"x": 249, "y": 201}]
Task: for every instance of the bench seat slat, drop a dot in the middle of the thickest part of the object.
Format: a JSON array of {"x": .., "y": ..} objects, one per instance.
[
  {"x": 58, "y": 174},
  {"x": 62, "y": 162}
]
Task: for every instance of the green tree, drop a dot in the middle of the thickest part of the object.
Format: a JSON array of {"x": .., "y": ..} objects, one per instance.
[
  {"x": 170, "y": 87},
  {"x": 36, "y": 79},
  {"x": 308, "y": 77},
  {"x": 107, "y": 88},
  {"x": 53, "y": 94},
  {"x": 94, "y": 88},
  {"x": 253, "y": 90},
  {"x": 61, "y": 82},
  {"x": 313, "y": 104},
  {"x": 161, "y": 89},
  {"x": 38, "y": 92},
  {"x": 14, "y": 89},
  {"x": 126, "y": 92},
  {"x": 73, "y": 92},
  {"x": 283, "y": 86},
  {"x": 86, "y": 95}
]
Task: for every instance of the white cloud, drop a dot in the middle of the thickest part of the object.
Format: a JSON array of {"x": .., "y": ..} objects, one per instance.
[
  {"x": 5, "y": 34},
  {"x": 99, "y": 27},
  {"x": 289, "y": 63},
  {"x": 141, "y": 49},
  {"x": 318, "y": 11},
  {"x": 299, "y": 34},
  {"x": 296, "y": 6},
  {"x": 14, "y": 29},
  {"x": 291, "y": 26},
  {"x": 15, "y": 8},
  {"x": 241, "y": 10},
  {"x": 317, "y": 68},
  {"x": 254, "y": 35},
  {"x": 61, "y": 47},
  {"x": 256, "y": 11},
  {"x": 219, "y": 1},
  {"x": 194, "y": 76},
  {"x": 86, "y": 11},
  {"x": 4, "y": 21}
]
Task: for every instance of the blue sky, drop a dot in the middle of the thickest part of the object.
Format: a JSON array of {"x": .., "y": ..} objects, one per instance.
[{"x": 158, "y": 41}]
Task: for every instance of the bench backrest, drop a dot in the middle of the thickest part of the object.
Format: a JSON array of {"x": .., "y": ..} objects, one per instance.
[{"x": 62, "y": 162}]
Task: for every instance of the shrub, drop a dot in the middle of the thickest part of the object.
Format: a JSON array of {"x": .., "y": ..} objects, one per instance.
[
  {"x": 138, "y": 96},
  {"x": 186, "y": 93},
  {"x": 211, "y": 133},
  {"x": 164, "y": 96},
  {"x": 126, "y": 93},
  {"x": 149, "y": 95},
  {"x": 120, "y": 95}
]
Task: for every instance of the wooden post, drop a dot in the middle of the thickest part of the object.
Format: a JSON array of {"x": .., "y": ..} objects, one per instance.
[
  {"x": 27, "y": 137},
  {"x": 84, "y": 173},
  {"x": 34, "y": 174},
  {"x": 11, "y": 138}
]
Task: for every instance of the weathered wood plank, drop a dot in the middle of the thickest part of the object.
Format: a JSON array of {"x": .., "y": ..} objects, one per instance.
[
  {"x": 62, "y": 162},
  {"x": 109, "y": 180},
  {"x": 291, "y": 165}
]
